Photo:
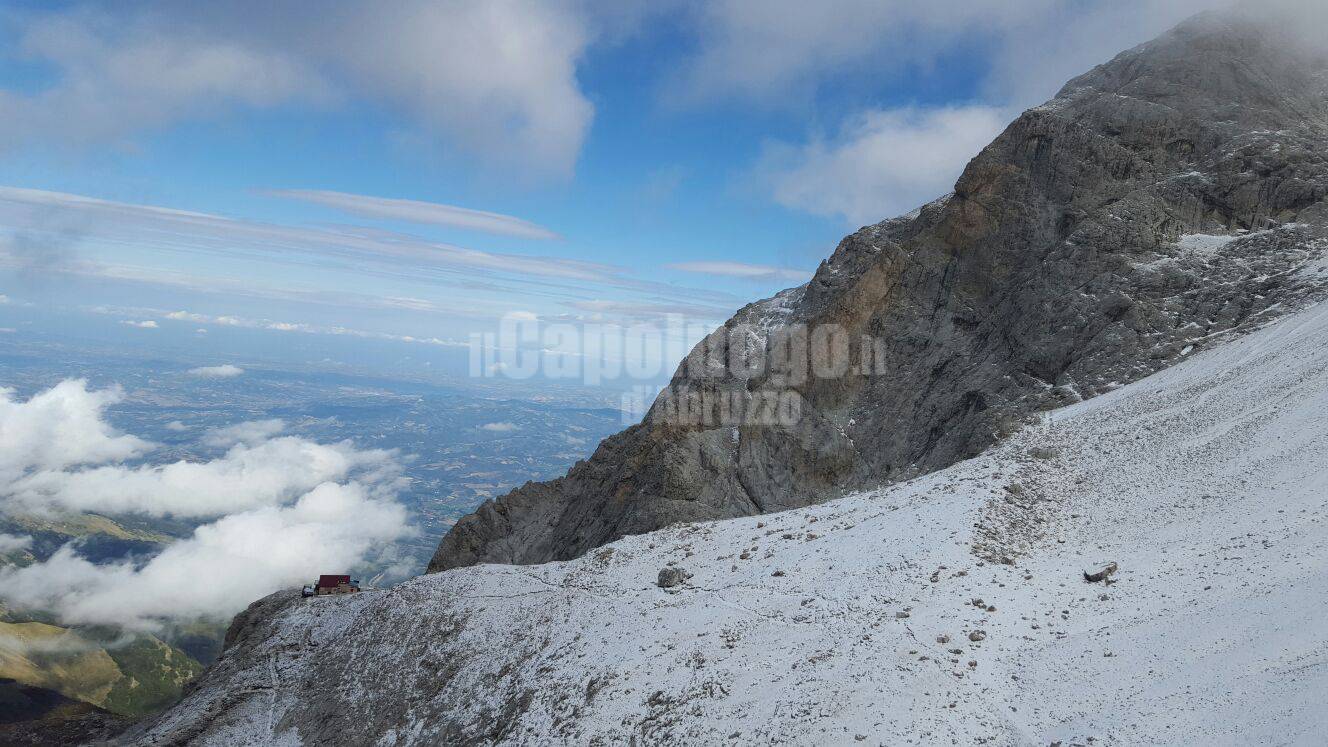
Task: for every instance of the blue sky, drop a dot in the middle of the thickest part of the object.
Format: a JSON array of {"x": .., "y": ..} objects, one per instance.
[{"x": 190, "y": 163}]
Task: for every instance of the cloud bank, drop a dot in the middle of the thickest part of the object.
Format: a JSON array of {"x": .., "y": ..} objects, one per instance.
[
  {"x": 217, "y": 571},
  {"x": 263, "y": 472},
  {"x": 278, "y": 510}
]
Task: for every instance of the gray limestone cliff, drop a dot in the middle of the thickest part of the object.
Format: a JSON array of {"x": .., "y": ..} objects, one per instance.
[{"x": 1171, "y": 195}]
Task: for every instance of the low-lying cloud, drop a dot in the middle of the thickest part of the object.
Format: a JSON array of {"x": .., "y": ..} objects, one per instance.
[
  {"x": 249, "y": 433},
  {"x": 60, "y": 428},
  {"x": 225, "y": 371},
  {"x": 12, "y": 542},
  {"x": 278, "y": 510},
  {"x": 220, "y": 568},
  {"x": 262, "y": 472}
]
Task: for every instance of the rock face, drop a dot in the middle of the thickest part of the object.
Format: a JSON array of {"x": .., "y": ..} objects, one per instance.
[{"x": 1169, "y": 196}]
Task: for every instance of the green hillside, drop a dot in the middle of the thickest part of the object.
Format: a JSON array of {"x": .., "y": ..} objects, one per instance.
[{"x": 126, "y": 677}]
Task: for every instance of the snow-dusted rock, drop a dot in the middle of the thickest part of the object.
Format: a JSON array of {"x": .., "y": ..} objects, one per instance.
[{"x": 671, "y": 577}]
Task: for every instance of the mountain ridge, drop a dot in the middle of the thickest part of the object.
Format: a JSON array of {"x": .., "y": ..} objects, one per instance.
[{"x": 1056, "y": 271}]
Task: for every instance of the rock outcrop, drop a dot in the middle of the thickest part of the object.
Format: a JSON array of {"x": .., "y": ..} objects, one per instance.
[{"x": 1170, "y": 196}]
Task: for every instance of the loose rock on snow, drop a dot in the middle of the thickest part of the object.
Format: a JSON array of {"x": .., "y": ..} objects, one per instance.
[{"x": 671, "y": 577}]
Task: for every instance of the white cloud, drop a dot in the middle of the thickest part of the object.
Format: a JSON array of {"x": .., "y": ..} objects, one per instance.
[
  {"x": 498, "y": 76},
  {"x": 176, "y": 426},
  {"x": 742, "y": 270},
  {"x": 222, "y": 567},
  {"x": 782, "y": 51},
  {"x": 149, "y": 324},
  {"x": 121, "y": 73},
  {"x": 224, "y": 371},
  {"x": 413, "y": 211},
  {"x": 3, "y": 299},
  {"x": 882, "y": 163},
  {"x": 1037, "y": 57},
  {"x": 494, "y": 79},
  {"x": 11, "y": 542},
  {"x": 60, "y": 428},
  {"x": 776, "y": 50},
  {"x": 249, "y": 433},
  {"x": 284, "y": 509},
  {"x": 249, "y": 475},
  {"x": 46, "y": 442},
  {"x": 500, "y": 427}
]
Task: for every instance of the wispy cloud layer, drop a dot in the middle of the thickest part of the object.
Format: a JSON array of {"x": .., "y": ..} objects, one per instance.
[
  {"x": 653, "y": 310},
  {"x": 742, "y": 270},
  {"x": 492, "y": 282},
  {"x": 30, "y": 210},
  {"x": 414, "y": 211},
  {"x": 280, "y": 326}
]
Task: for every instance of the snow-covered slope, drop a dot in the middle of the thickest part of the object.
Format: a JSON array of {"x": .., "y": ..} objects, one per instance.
[{"x": 852, "y": 622}]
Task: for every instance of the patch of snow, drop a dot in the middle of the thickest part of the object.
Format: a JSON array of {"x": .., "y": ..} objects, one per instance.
[
  {"x": 1204, "y": 243},
  {"x": 774, "y": 312}
]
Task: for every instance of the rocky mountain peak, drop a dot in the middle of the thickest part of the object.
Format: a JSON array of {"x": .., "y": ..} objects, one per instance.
[{"x": 1167, "y": 198}]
